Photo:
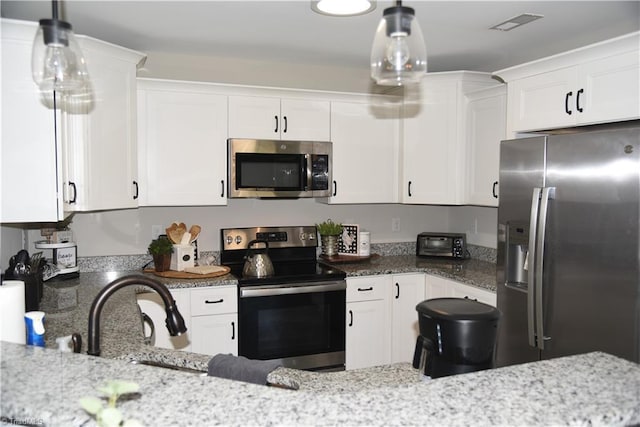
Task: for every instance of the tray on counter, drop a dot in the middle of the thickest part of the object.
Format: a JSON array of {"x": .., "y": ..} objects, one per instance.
[
  {"x": 172, "y": 274},
  {"x": 344, "y": 259}
]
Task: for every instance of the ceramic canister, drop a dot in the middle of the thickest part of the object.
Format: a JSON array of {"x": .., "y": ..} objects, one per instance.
[{"x": 364, "y": 248}]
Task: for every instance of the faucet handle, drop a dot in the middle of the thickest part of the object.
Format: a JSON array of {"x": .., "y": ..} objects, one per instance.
[{"x": 76, "y": 339}]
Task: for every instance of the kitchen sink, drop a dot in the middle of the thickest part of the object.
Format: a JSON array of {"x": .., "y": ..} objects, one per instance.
[{"x": 168, "y": 366}]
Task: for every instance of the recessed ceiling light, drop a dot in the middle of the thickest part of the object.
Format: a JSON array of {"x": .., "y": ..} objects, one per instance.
[
  {"x": 516, "y": 21},
  {"x": 343, "y": 7}
]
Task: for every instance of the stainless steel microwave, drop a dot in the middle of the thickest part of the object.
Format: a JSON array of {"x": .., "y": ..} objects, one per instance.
[
  {"x": 261, "y": 168},
  {"x": 447, "y": 245}
]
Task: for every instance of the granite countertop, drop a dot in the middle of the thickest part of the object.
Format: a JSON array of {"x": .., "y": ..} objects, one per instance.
[
  {"x": 473, "y": 272},
  {"x": 42, "y": 386}
]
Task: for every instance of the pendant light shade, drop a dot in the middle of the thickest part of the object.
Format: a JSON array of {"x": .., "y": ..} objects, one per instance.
[
  {"x": 57, "y": 63},
  {"x": 398, "y": 55}
]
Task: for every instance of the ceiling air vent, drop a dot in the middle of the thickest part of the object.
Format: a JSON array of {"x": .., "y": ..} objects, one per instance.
[{"x": 516, "y": 21}]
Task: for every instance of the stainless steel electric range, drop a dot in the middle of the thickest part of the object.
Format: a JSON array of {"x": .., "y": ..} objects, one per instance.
[{"x": 297, "y": 315}]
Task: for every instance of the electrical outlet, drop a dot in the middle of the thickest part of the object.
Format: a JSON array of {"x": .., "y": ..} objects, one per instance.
[
  {"x": 156, "y": 230},
  {"x": 395, "y": 225}
]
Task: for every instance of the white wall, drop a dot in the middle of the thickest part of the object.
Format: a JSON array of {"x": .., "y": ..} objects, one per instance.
[
  {"x": 128, "y": 232},
  {"x": 251, "y": 72},
  {"x": 10, "y": 243}
]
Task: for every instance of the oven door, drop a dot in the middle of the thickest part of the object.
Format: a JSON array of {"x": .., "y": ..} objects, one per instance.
[{"x": 300, "y": 325}]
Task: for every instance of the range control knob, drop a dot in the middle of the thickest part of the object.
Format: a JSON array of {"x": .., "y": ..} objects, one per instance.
[
  {"x": 229, "y": 239},
  {"x": 238, "y": 239},
  {"x": 303, "y": 237}
]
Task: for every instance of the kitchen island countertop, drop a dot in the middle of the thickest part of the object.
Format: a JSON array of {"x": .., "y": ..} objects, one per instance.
[{"x": 42, "y": 387}]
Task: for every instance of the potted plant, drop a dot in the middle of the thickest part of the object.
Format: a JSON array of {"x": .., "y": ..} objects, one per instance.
[
  {"x": 329, "y": 236},
  {"x": 161, "y": 249}
]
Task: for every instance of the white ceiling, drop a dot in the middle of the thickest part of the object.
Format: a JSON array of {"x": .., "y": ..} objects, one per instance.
[{"x": 456, "y": 32}]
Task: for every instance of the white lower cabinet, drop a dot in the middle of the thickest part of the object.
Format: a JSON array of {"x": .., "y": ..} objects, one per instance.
[
  {"x": 368, "y": 329},
  {"x": 408, "y": 291},
  {"x": 438, "y": 287},
  {"x": 211, "y": 316},
  {"x": 215, "y": 334},
  {"x": 214, "y": 320},
  {"x": 151, "y": 304}
]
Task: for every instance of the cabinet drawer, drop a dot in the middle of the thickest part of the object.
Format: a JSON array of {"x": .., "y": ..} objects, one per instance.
[
  {"x": 214, "y": 301},
  {"x": 368, "y": 288}
]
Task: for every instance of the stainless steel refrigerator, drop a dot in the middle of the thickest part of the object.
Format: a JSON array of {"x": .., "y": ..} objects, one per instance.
[{"x": 568, "y": 252}]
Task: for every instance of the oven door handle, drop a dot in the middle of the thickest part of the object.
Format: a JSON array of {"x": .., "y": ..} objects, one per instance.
[{"x": 265, "y": 291}]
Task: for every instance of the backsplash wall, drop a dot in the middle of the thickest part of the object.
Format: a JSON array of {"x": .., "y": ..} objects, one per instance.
[{"x": 128, "y": 232}]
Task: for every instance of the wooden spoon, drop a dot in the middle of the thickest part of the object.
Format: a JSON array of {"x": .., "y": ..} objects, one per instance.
[
  {"x": 175, "y": 232},
  {"x": 194, "y": 231}
]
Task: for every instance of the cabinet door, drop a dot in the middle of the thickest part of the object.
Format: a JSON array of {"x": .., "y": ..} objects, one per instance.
[
  {"x": 30, "y": 155},
  {"x": 365, "y": 152},
  {"x": 408, "y": 291},
  {"x": 464, "y": 291},
  {"x": 305, "y": 120},
  {"x": 486, "y": 127},
  {"x": 254, "y": 117},
  {"x": 102, "y": 131},
  {"x": 182, "y": 134},
  {"x": 430, "y": 150},
  {"x": 367, "y": 339},
  {"x": 151, "y": 304},
  {"x": 215, "y": 334},
  {"x": 611, "y": 89},
  {"x": 438, "y": 287},
  {"x": 543, "y": 101}
]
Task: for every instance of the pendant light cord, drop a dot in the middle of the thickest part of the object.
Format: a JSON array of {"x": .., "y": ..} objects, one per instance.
[{"x": 54, "y": 9}]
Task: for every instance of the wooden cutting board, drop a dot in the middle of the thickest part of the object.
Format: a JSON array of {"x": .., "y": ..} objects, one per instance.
[{"x": 172, "y": 274}]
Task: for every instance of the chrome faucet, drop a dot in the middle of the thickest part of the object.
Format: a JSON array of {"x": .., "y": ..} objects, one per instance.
[{"x": 175, "y": 322}]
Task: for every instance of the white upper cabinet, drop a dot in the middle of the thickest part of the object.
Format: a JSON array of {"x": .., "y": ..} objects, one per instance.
[
  {"x": 486, "y": 127},
  {"x": 30, "y": 158},
  {"x": 434, "y": 144},
  {"x": 100, "y": 131},
  {"x": 263, "y": 117},
  {"x": 595, "y": 84},
  {"x": 365, "y": 135},
  {"x": 182, "y": 140}
]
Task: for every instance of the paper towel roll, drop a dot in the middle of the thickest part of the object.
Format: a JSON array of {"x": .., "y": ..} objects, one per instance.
[{"x": 12, "y": 326}]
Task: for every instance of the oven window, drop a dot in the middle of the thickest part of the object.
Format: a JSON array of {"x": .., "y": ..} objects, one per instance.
[
  {"x": 281, "y": 326},
  {"x": 277, "y": 171},
  {"x": 441, "y": 244}
]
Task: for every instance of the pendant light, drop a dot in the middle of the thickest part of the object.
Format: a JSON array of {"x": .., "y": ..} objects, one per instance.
[
  {"x": 57, "y": 63},
  {"x": 398, "y": 55}
]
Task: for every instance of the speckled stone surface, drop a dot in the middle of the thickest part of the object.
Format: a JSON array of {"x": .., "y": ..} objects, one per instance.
[
  {"x": 471, "y": 271},
  {"x": 43, "y": 386}
]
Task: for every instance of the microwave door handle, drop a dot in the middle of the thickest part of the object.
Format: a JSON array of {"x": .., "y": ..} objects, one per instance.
[
  {"x": 306, "y": 174},
  {"x": 531, "y": 276},
  {"x": 548, "y": 193}
]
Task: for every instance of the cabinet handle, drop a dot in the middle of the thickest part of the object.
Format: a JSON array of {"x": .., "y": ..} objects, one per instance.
[
  {"x": 285, "y": 125},
  {"x": 222, "y": 188},
  {"x": 397, "y": 291},
  {"x": 566, "y": 103},
  {"x": 135, "y": 194},
  {"x": 350, "y": 318},
  {"x": 75, "y": 192},
  {"x": 578, "y": 107},
  {"x": 335, "y": 188},
  {"x": 493, "y": 191},
  {"x": 365, "y": 289},
  {"x": 276, "y": 129},
  {"x": 214, "y": 302},
  {"x": 409, "y": 188},
  {"x": 233, "y": 330}
]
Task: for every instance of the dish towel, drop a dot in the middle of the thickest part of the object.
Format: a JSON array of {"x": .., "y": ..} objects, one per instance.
[{"x": 240, "y": 368}]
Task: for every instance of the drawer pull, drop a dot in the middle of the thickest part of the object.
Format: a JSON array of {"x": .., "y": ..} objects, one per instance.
[
  {"x": 214, "y": 302},
  {"x": 365, "y": 289}
]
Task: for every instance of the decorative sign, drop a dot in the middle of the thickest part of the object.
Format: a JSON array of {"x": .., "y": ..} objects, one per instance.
[{"x": 348, "y": 242}]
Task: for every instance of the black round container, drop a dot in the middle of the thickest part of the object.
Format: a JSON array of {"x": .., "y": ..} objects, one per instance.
[{"x": 458, "y": 334}]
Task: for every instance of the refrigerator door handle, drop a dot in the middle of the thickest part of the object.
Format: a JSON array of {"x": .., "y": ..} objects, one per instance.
[
  {"x": 531, "y": 276},
  {"x": 548, "y": 193}
]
